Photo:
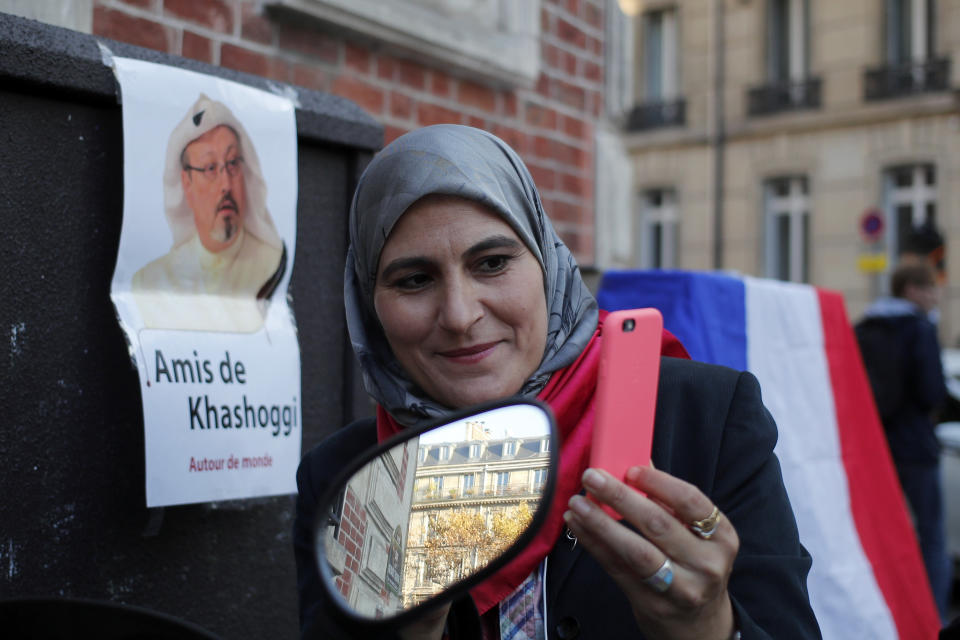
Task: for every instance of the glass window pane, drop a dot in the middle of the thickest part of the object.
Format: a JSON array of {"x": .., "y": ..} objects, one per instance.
[
  {"x": 539, "y": 479},
  {"x": 805, "y": 247},
  {"x": 911, "y": 197},
  {"x": 657, "y": 226},
  {"x": 783, "y": 247},
  {"x": 902, "y": 176},
  {"x": 671, "y": 259},
  {"x": 656, "y": 245},
  {"x": 653, "y": 56},
  {"x": 899, "y": 31},
  {"x": 787, "y": 228},
  {"x": 503, "y": 479},
  {"x": 778, "y": 39},
  {"x": 904, "y": 217}
]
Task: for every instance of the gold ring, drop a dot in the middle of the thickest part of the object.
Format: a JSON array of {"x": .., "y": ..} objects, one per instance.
[{"x": 708, "y": 526}]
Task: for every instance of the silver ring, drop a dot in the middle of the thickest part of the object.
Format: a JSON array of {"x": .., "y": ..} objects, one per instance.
[{"x": 662, "y": 578}]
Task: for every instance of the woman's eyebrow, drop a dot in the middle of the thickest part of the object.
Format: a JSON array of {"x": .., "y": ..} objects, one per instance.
[
  {"x": 494, "y": 242},
  {"x": 422, "y": 262},
  {"x": 402, "y": 264}
]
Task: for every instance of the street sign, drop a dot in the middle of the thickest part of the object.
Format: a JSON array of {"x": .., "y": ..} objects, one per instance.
[
  {"x": 872, "y": 262},
  {"x": 871, "y": 225}
]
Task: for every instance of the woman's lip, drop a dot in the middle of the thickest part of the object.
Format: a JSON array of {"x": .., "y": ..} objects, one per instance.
[{"x": 473, "y": 352}]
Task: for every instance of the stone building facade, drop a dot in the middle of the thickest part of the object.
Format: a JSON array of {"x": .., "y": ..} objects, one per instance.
[
  {"x": 766, "y": 132},
  {"x": 480, "y": 477}
]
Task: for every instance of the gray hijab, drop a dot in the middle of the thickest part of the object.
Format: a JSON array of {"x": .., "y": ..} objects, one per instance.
[{"x": 473, "y": 164}]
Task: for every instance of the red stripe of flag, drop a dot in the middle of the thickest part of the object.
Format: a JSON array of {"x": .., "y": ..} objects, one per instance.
[{"x": 877, "y": 503}]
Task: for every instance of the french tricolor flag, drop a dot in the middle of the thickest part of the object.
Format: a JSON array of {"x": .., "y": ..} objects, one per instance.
[{"x": 867, "y": 579}]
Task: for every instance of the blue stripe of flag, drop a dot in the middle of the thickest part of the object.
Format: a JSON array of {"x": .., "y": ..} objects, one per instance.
[{"x": 706, "y": 311}]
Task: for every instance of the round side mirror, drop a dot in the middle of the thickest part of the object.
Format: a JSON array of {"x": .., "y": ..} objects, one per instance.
[{"x": 433, "y": 511}]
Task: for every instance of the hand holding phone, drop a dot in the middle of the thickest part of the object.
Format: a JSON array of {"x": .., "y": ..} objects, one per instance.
[{"x": 626, "y": 395}]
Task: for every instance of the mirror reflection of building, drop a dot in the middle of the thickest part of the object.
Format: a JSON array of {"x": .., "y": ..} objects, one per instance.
[
  {"x": 436, "y": 509},
  {"x": 365, "y": 543},
  {"x": 472, "y": 499}
]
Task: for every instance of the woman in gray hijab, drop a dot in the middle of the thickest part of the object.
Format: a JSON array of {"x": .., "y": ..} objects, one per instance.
[
  {"x": 474, "y": 165},
  {"x": 459, "y": 291}
]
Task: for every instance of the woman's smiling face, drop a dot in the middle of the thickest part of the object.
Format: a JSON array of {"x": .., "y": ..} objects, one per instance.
[{"x": 461, "y": 301}]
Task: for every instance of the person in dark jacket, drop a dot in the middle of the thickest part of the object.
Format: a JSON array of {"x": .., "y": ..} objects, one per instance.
[
  {"x": 901, "y": 352},
  {"x": 458, "y": 290}
]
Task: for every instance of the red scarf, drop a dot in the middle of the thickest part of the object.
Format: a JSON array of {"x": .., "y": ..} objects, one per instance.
[{"x": 570, "y": 395}]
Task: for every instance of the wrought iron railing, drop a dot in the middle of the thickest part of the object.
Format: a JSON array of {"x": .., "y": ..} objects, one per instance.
[
  {"x": 653, "y": 115},
  {"x": 783, "y": 96},
  {"x": 894, "y": 81},
  {"x": 496, "y": 491}
]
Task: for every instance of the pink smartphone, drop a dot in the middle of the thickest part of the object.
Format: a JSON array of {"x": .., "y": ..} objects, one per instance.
[{"x": 626, "y": 391}]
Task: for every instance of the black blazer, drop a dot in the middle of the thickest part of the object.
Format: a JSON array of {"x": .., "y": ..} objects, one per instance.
[{"x": 711, "y": 430}]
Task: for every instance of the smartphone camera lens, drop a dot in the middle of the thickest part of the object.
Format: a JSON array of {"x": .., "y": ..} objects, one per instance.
[{"x": 629, "y": 324}]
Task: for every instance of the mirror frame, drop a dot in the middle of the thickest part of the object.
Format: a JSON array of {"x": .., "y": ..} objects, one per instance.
[{"x": 456, "y": 589}]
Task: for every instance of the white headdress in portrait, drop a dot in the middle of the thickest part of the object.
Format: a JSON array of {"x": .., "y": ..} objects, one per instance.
[{"x": 204, "y": 115}]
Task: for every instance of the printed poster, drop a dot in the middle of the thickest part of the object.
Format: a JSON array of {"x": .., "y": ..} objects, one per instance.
[{"x": 200, "y": 284}]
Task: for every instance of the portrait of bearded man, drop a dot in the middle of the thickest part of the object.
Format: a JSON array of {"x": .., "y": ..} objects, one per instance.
[{"x": 227, "y": 257}]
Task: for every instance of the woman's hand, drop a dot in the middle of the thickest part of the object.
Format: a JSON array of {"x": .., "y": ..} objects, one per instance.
[
  {"x": 428, "y": 627},
  {"x": 695, "y": 602}
]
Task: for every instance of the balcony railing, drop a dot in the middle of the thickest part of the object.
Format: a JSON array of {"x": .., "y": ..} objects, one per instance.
[
  {"x": 783, "y": 96},
  {"x": 653, "y": 115},
  {"x": 494, "y": 491},
  {"x": 900, "y": 80}
]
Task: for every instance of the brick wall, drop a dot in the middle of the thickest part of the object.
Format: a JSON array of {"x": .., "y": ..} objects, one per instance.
[
  {"x": 551, "y": 124},
  {"x": 353, "y": 529}
]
